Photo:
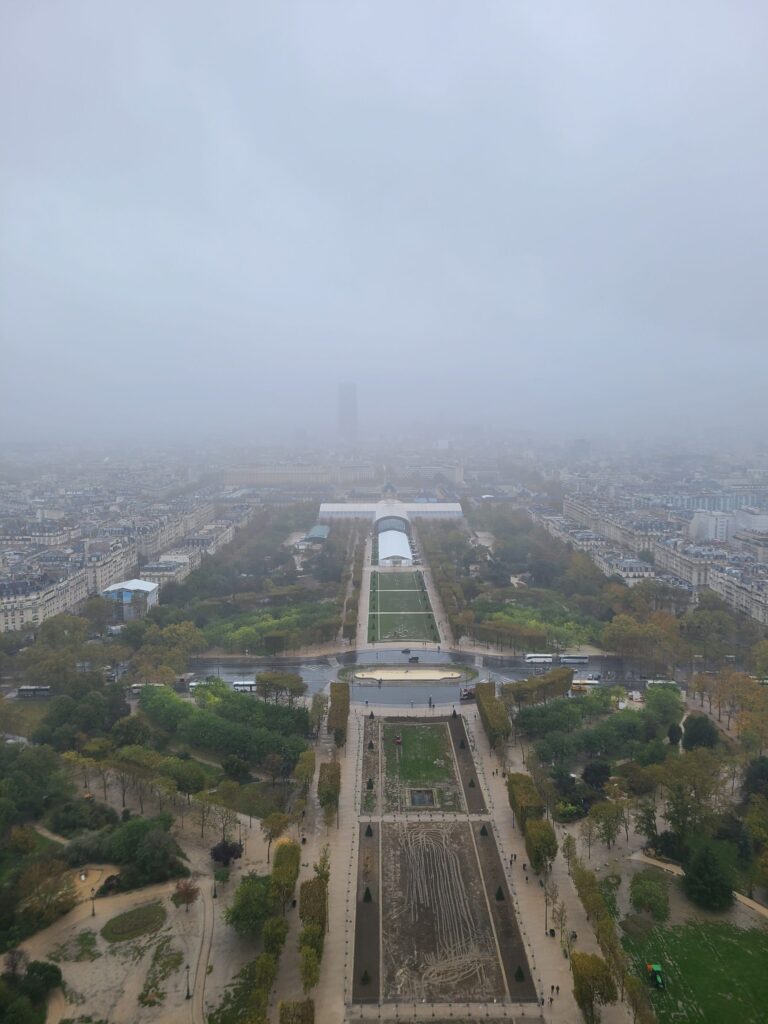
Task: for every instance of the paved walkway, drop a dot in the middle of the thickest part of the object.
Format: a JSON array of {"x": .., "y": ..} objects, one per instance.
[{"x": 547, "y": 963}]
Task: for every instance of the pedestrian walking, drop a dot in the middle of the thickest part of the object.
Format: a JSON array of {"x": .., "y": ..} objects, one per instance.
[
  {"x": 526, "y": 879},
  {"x": 557, "y": 989},
  {"x": 552, "y": 989}
]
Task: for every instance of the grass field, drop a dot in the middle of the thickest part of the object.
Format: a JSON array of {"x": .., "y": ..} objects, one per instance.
[
  {"x": 22, "y": 717},
  {"x": 395, "y": 580},
  {"x": 134, "y": 923},
  {"x": 713, "y": 972},
  {"x": 425, "y": 755},
  {"x": 400, "y": 609}
]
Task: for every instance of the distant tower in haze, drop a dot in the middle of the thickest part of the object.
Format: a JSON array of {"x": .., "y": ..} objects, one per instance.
[{"x": 348, "y": 412}]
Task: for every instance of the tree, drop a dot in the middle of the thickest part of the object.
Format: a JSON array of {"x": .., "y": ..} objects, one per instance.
[
  {"x": 541, "y": 843},
  {"x": 273, "y": 826},
  {"x": 756, "y": 777},
  {"x": 691, "y": 786},
  {"x": 225, "y": 852},
  {"x": 46, "y": 891},
  {"x": 569, "y": 849},
  {"x": 304, "y": 771},
  {"x": 593, "y": 984},
  {"x": 596, "y": 773},
  {"x": 663, "y": 705},
  {"x": 607, "y": 817},
  {"x": 700, "y": 731},
  {"x": 309, "y": 968},
  {"x": 251, "y": 906},
  {"x": 588, "y": 832},
  {"x": 236, "y": 768},
  {"x": 274, "y": 935},
  {"x": 41, "y": 978},
  {"x": 674, "y": 734},
  {"x": 649, "y": 891},
  {"x": 186, "y": 893},
  {"x": 708, "y": 878},
  {"x": 273, "y": 766},
  {"x": 16, "y": 961}
]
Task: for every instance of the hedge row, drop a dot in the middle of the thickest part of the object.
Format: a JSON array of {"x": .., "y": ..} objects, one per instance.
[
  {"x": 493, "y": 714},
  {"x": 524, "y": 798},
  {"x": 285, "y": 871},
  {"x": 329, "y": 788},
  {"x": 538, "y": 689},
  {"x": 604, "y": 925},
  {"x": 297, "y": 1012},
  {"x": 312, "y": 902},
  {"x": 338, "y": 713}
]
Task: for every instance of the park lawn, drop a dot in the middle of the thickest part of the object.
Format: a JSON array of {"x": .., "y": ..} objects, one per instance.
[
  {"x": 402, "y": 601},
  {"x": 426, "y": 757},
  {"x": 395, "y": 581},
  {"x": 258, "y": 799},
  {"x": 402, "y": 626},
  {"x": 713, "y": 972},
  {"x": 134, "y": 923},
  {"x": 24, "y": 715},
  {"x": 10, "y": 860}
]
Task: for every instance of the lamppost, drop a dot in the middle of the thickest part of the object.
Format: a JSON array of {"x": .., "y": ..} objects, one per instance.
[
  {"x": 189, "y": 994},
  {"x": 93, "y": 905}
]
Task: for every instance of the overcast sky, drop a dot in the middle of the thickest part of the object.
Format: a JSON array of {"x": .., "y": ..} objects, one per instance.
[{"x": 519, "y": 212}]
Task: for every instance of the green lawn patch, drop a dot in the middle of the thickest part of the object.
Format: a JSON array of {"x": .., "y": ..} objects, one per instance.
[
  {"x": 402, "y": 626},
  {"x": 425, "y": 755},
  {"x": 24, "y": 716},
  {"x": 396, "y": 581},
  {"x": 402, "y": 601},
  {"x": 713, "y": 972},
  {"x": 400, "y": 609},
  {"x": 134, "y": 923}
]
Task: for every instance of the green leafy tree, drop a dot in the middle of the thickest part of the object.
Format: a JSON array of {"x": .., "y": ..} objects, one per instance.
[
  {"x": 309, "y": 968},
  {"x": 541, "y": 843},
  {"x": 274, "y": 934},
  {"x": 273, "y": 826},
  {"x": 699, "y": 731},
  {"x": 708, "y": 878},
  {"x": 649, "y": 891},
  {"x": 608, "y": 818},
  {"x": 593, "y": 984},
  {"x": 252, "y": 905}
]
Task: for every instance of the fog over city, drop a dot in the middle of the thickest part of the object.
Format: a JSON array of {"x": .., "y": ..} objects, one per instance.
[{"x": 518, "y": 215}]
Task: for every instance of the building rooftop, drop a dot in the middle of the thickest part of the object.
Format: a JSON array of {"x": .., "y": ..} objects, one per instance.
[{"x": 132, "y": 585}]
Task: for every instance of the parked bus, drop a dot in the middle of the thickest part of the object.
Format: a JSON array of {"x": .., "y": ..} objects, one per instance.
[
  {"x": 244, "y": 686},
  {"x": 574, "y": 659},
  {"x": 538, "y": 659},
  {"x": 32, "y": 692}
]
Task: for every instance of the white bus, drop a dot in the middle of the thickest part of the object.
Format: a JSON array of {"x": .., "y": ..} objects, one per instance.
[
  {"x": 538, "y": 659},
  {"x": 32, "y": 692},
  {"x": 244, "y": 686},
  {"x": 574, "y": 659}
]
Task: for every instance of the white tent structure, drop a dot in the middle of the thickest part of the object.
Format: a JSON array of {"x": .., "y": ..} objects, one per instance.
[{"x": 394, "y": 548}]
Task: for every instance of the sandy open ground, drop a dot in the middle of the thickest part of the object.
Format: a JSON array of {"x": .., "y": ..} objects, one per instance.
[{"x": 408, "y": 675}]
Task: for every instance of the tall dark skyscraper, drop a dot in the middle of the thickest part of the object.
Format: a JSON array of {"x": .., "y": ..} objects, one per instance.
[{"x": 347, "y": 414}]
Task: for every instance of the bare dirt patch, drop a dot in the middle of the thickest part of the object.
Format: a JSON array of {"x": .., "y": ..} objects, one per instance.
[{"x": 438, "y": 942}]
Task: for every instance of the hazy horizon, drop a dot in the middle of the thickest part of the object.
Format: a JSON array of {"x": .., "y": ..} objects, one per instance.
[{"x": 519, "y": 216}]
